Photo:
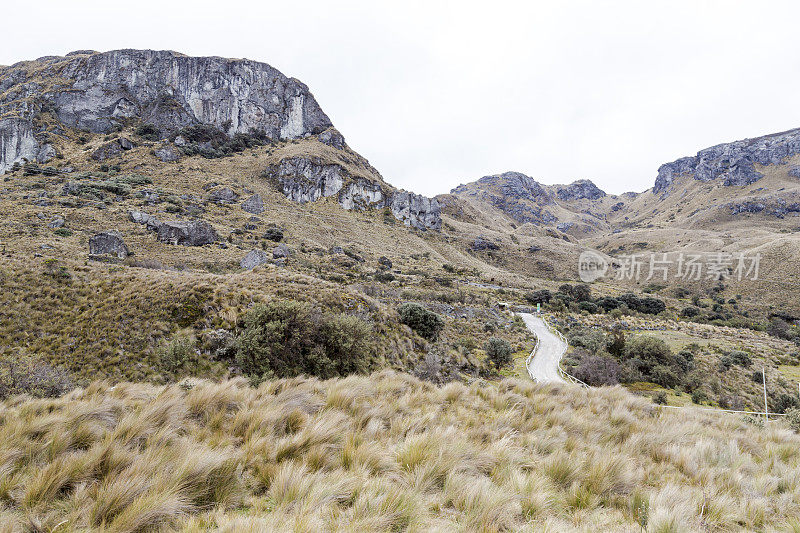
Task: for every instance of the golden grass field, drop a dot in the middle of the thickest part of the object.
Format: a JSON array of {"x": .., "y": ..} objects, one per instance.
[{"x": 387, "y": 453}]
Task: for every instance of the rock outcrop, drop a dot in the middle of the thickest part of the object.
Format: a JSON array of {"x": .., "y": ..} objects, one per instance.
[
  {"x": 307, "y": 179},
  {"x": 253, "y": 205},
  {"x": 98, "y": 91},
  {"x": 253, "y": 259},
  {"x": 580, "y": 190},
  {"x": 517, "y": 195},
  {"x": 194, "y": 233},
  {"x": 733, "y": 163},
  {"x": 108, "y": 243}
]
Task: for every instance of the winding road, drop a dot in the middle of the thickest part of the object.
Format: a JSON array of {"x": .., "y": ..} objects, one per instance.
[{"x": 543, "y": 364}]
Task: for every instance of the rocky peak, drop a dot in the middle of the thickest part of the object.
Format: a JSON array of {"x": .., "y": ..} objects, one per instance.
[
  {"x": 580, "y": 190},
  {"x": 733, "y": 163},
  {"x": 97, "y": 92}
]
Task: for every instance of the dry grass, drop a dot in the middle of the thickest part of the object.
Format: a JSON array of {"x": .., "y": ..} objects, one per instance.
[{"x": 385, "y": 453}]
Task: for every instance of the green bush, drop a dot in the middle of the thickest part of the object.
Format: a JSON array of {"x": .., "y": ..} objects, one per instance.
[
  {"x": 289, "y": 338},
  {"x": 660, "y": 398},
  {"x": 738, "y": 357},
  {"x": 427, "y": 323},
  {"x": 499, "y": 352},
  {"x": 149, "y": 132},
  {"x": 179, "y": 355}
]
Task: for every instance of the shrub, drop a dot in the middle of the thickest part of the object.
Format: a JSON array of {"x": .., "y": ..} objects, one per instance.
[
  {"x": 179, "y": 354},
  {"x": 738, "y": 357},
  {"x": 499, "y": 352},
  {"x": 597, "y": 370},
  {"x": 608, "y": 303},
  {"x": 590, "y": 339},
  {"x": 63, "y": 232},
  {"x": 699, "y": 396},
  {"x": 648, "y": 305},
  {"x": 648, "y": 348},
  {"x": 32, "y": 375},
  {"x": 426, "y": 323},
  {"x": 588, "y": 306},
  {"x": 149, "y": 132},
  {"x": 289, "y": 338},
  {"x": 542, "y": 297},
  {"x": 664, "y": 376},
  {"x": 660, "y": 398},
  {"x": 582, "y": 293},
  {"x": 784, "y": 402},
  {"x": 690, "y": 312}
]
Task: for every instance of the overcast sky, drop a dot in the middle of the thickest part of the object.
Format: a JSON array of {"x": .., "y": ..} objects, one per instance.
[{"x": 440, "y": 93}]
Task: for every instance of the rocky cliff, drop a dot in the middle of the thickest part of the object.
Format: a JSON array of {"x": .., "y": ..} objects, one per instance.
[
  {"x": 99, "y": 92},
  {"x": 733, "y": 163},
  {"x": 207, "y": 106},
  {"x": 307, "y": 179}
]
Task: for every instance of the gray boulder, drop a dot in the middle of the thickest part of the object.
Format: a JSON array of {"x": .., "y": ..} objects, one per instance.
[
  {"x": 141, "y": 217},
  {"x": 254, "y": 205},
  {"x": 108, "y": 243},
  {"x": 56, "y": 222},
  {"x": 167, "y": 153},
  {"x": 223, "y": 196},
  {"x": 281, "y": 251},
  {"x": 253, "y": 259},
  {"x": 194, "y": 233}
]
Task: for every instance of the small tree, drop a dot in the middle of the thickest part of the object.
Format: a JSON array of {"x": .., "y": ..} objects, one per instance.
[
  {"x": 427, "y": 323},
  {"x": 499, "y": 352}
]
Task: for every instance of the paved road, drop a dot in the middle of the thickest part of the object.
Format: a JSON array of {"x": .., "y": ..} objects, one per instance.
[{"x": 543, "y": 366}]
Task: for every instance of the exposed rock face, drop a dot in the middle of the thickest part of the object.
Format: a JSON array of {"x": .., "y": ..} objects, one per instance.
[
  {"x": 307, "y": 179},
  {"x": 481, "y": 243},
  {"x": 580, "y": 190},
  {"x": 17, "y": 142},
  {"x": 332, "y": 137},
  {"x": 774, "y": 206},
  {"x": 734, "y": 162},
  {"x": 167, "y": 153},
  {"x": 223, "y": 196},
  {"x": 304, "y": 179},
  {"x": 254, "y": 205},
  {"x": 519, "y": 196},
  {"x": 162, "y": 88},
  {"x": 416, "y": 210},
  {"x": 253, "y": 259},
  {"x": 194, "y": 233},
  {"x": 108, "y": 243},
  {"x": 111, "y": 149},
  {"x": 361, "y": 194}
]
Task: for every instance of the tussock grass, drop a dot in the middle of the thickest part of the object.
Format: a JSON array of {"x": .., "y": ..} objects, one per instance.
[{"x": 386, "y": 453}]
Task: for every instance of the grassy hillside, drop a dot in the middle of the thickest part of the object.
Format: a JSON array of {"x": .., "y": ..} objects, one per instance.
[{"x": 386, "y": 453}]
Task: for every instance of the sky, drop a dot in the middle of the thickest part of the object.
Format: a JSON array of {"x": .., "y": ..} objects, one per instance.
[{"x": 438, "y": 93}]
